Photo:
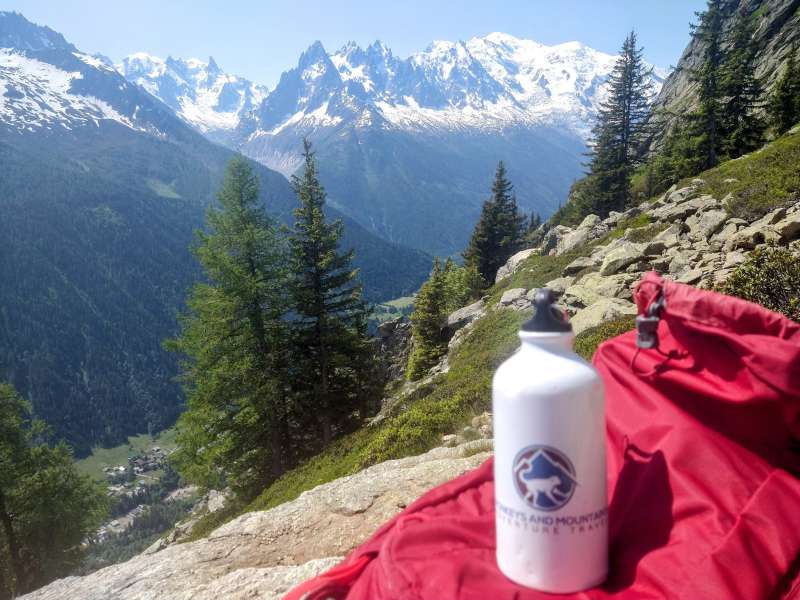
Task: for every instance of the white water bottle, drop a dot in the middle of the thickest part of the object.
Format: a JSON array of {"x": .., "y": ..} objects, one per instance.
[{"x": 551, "y": 501}]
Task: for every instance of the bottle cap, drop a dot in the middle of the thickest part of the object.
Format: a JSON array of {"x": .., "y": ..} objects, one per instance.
[{"x": 546, "y": 317}]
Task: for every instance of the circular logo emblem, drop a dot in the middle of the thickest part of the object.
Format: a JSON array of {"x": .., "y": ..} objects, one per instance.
[{"x": 544, "y": 477}]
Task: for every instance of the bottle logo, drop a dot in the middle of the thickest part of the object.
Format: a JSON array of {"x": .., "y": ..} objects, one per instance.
[{"x": 544, "y": 477}]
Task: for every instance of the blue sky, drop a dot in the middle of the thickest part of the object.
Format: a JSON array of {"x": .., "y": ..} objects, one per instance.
[{"x": 261, "y": 39}]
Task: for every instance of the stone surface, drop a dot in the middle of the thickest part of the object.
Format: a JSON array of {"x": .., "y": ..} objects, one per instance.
[
  {"x": 263, "y": 554},
  {"x": 590, "y": 228},
  {"x": 513, "y": 263},
  {"x": 789, "y": 227},
  {"x": 579, "y": 264},
  {"x": 605, "y": 309},
  {"x": 559, "y": 284},
  {"x": 749, "y": 237},
  {"x": 464, "y": 316},
  {"x": 732, "y": 259},
  {"x": 620, "y": 257},
  {"x": 553, "y": 237},
  {"x": 393, "y": 346},
  {"x": 513, "y": 296},
  {"x": 702, "y": 225},
  {"x": 691, "y": 276}
]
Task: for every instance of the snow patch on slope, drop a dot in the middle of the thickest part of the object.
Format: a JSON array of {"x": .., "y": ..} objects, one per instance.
[
  {"x": 37, "y": 95},
  {"x": 198, "y": 91}
]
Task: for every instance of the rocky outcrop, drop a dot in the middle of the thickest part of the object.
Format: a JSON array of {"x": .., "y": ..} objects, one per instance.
[
  {"x": 512, "y": 264},
  {"x": 394, "y": 345},
  {"x": 464, "y": 316},
  {"x": 777, "y": 28},
  {"x": 263, "y": 554},
  {"x": 690, "y": 238}
]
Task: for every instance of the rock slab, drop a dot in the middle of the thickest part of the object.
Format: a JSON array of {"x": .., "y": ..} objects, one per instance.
[{"x": 263, "y": 554}]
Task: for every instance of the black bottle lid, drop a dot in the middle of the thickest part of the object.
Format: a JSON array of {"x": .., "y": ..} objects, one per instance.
[{"x": 546, "y": 317}]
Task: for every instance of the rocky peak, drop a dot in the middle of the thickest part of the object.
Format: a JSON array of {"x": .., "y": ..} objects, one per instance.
[{"x": 19, "y": 33}]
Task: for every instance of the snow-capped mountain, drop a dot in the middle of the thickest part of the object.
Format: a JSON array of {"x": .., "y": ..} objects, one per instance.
[
  {"x": 102, "y": 187},
  {"x": 46, "y": 83},
  {"x": 491, "y": 82},
  {"x": 199, "y": 92},
  {"x": 407, "y": 146}
]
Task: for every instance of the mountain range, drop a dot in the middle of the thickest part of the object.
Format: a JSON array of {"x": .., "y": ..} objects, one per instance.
[
  {"x": 407, "y": 146},
  {"x": 101, "y": 190},
  {"x": 108, "y": 170}
]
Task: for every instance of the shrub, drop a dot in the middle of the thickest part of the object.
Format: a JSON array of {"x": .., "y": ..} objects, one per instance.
[
  {"x": 771, "y": 277},
  {"x": 587, "y": 341}
]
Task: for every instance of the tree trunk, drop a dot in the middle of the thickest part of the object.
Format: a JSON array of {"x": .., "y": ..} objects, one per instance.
[{"x": 18, "y": 586}]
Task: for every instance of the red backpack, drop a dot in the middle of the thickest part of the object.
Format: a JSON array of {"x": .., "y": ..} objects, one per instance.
[{"x": 703, "y": 502}]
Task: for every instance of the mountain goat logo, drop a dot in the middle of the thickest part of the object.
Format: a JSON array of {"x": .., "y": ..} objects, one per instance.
[{"x": 544, "y": 477}]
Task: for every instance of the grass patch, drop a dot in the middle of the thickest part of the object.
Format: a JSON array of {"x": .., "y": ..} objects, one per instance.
[
  {"x": 392, "y": 309},
  {"x": 165, "y": 190},
  {"x": 534, "y": 271},
  {"x": 764, "y": 179},
  {"x": 639, "y": 235},
  {"x": 401, "y": 303},
  {"x": 101, "y": 458},
  {"x": 587, "y": 341}
]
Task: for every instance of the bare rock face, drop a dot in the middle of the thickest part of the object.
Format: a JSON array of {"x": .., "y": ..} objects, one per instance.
[
  {"x": 590, "y": 228},
  {"x": 513, "y": 263},
  {"x": 605, "y": 309},
  {"x": 263, "y": 554},
  {"x": 394, "y": 345},
  {"x": 777, "y": 28},
  {"x": 464, "y": 316}
]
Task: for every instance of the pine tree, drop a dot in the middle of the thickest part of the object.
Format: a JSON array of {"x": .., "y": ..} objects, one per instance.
[
  {"x": 233, "y": 338},
  {"x": 706, "y": 122},
  {"x": 500, "y": 229},
  {"x": 328, "y": 307},
  {"x": 448, "y": 288},
  {"x": 47, "y": 508},
  {"x": 534, "y": 222},
  {"x": 429, "y": 341},
  {"x": 743, "y": 129},
  {"x": 620, "y": 130},
  {"x": 784, "y": 107}
]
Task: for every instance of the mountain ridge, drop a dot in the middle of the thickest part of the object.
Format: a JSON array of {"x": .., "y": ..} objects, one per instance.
[
  {"x": 103, "y": 187},
  {"x": 406, "y": 146}
]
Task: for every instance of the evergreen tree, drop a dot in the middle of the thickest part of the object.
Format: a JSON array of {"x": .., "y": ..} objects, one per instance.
[
  {"x": 784, "y": 107},
  {"x": 534, "y": 222},
  {"x": 235, "y": 426},
  {"x": 706, "y": 122},
  {"x": 742, "y": 128},
  {"x": 329, "y": 311},
  {"x": 427, "y": 326},
  {"x": 500, "y": 229},
  {"x": 620, "y": 131},
  {"x": 448, "y": 288},
  {"x": 46, "y": 507}
]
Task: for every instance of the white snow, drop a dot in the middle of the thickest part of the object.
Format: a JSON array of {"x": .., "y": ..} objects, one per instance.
[
  {"x": 197, "y": 100},
  {"x": 488, "y": 82},
  {"x": 317, "y": 118},
  {"x": 92, "y": 61},
  {"x": 46, "y": 98}
]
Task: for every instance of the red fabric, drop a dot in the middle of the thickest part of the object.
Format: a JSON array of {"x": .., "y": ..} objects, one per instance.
[{"x": 702, "y": 502}]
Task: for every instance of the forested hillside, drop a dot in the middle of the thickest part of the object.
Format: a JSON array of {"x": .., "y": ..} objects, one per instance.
[{"x": 101, "y": 190}]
